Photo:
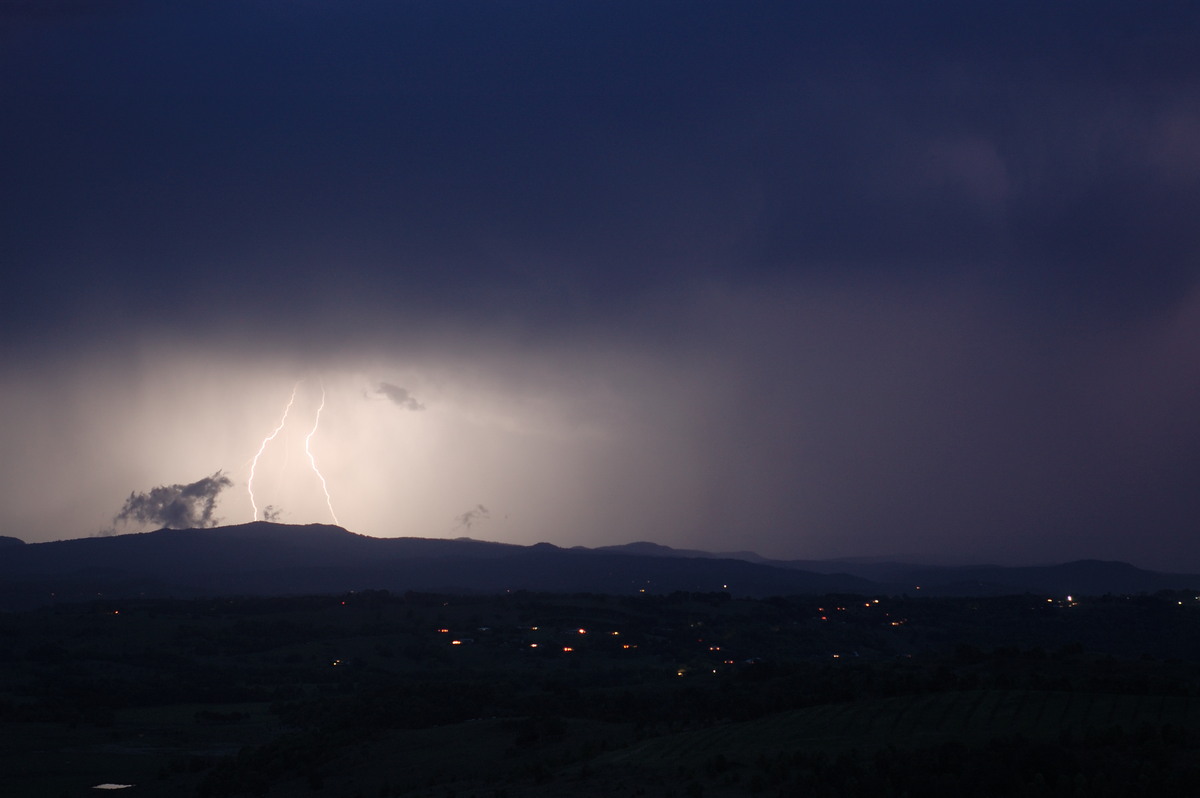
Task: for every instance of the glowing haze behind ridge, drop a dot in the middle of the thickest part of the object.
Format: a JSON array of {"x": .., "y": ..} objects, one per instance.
[{"x": 707, "y": 441}]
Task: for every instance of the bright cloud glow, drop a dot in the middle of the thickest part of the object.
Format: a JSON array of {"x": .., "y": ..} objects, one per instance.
[{"x": 714, "y": 441}]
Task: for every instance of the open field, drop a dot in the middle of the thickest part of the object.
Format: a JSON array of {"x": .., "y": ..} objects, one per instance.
[
  {"x": 542, "y": 694},
  {"x": 907, "y": 722}
]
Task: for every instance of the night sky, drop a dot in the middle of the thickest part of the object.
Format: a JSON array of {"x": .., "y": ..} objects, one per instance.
[{"x": 810, "y": 279}]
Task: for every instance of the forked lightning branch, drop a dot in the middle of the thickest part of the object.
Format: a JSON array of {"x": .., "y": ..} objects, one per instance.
[{"x": 312, "y": 460}]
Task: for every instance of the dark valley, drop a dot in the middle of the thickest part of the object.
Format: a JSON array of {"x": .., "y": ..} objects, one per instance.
[{"x": 542, "y": 692}]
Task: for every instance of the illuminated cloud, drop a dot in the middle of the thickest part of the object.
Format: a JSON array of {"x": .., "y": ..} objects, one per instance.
[{"x": 176, "y": 506}]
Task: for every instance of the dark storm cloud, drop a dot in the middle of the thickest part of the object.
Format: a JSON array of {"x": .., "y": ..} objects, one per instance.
[
  {"x": 397, "y": 396},
  {"x": 176, "y": 506},
  {"x": 552, "y": 163},
  {"x": 875, "y": 268},
  {"x": 12, "y": 11}
]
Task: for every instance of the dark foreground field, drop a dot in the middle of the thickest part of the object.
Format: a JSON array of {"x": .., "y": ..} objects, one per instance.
[{"x": 372, "y": 694}]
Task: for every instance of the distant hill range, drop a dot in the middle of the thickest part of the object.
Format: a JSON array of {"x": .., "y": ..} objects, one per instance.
[{"x": 280, "y": 559}]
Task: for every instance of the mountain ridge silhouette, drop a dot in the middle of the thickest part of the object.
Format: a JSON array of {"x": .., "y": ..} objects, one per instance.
[{"x": 283, "y": 559}]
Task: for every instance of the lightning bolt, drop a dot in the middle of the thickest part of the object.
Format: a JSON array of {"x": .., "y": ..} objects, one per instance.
[
  {"x": 313, "y": 461},
  {"x": 271, "y": 437}
]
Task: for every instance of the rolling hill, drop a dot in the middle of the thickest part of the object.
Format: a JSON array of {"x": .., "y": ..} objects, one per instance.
[{"x": 264, "y": 558}]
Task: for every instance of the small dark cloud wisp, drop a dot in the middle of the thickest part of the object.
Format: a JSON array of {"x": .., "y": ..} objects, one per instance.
[
  {"x": 397, "y": 395},
  {"x": 475, "y": 514},
  {"x": 176, "y": 506}
]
